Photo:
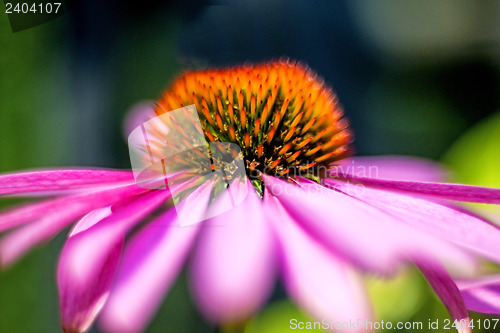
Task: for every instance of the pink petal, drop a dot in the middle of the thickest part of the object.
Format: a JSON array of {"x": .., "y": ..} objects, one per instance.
[
  {"x": 455, "y": 192},
  {"x": 55, "y": 216},
  {"x": 318, "y": 281},
  {"x": 33, "y": 211},
  {"x": 82, "y": 297},
  {"x": 233, "y": 265},
  {"x": 448, "y": 292},
  {"x": 90, "y": 219},
  {"x": 390, "y": 167},
  {"x": 90, "y": 258},
  {"x": 151, "y": 262},
  {"x": 464, "y": 230},
  {"x": 355, "y": 230},
  {"x": 482, "y": 295},
  {"x": 56, "y": 180}
]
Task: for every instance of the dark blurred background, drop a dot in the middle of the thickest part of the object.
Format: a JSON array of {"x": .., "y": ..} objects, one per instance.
[{"x": 412, "y": 77}]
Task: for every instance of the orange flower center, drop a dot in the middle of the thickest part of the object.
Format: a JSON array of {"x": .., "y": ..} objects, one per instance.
[{"x": 284, "y": 118}]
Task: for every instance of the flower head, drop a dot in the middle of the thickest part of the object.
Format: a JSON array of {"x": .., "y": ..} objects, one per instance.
[
  {"x": 284, "y": 118},
  {"x": 311, "y": 217}
]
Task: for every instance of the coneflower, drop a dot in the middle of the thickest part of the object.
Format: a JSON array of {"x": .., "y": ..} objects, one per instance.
[{"x": 311, "y": 215}]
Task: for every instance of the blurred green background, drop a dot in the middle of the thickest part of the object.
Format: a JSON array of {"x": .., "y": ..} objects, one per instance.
[{"x": 415, "y": 78}]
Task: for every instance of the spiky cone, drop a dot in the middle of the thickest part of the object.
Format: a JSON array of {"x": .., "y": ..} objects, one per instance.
[{"x": 284, "y": 118}]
